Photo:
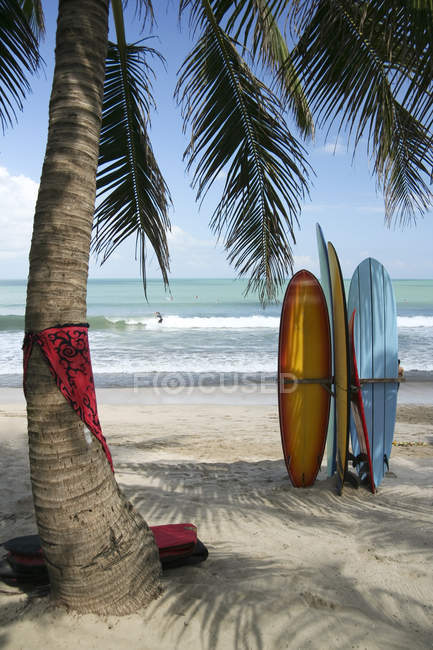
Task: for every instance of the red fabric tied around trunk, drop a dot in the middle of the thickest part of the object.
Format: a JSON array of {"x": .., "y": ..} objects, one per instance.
[{"x": 66, "y": 350}]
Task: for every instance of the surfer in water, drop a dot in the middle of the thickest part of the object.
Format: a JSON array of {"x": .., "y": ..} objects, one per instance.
[{"x": 159, "y": 317}]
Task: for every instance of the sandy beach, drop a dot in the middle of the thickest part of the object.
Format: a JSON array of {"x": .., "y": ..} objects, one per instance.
[{"x": 287, "y": 568}]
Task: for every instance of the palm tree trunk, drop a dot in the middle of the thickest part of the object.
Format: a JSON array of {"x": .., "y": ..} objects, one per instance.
[{"x": 101, "y": 555}]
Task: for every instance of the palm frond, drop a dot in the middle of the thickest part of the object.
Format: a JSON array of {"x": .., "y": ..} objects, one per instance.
[
  {"x": 144, "y": 11},
  {"x": 406, "y": 192},
  {"x": 35, "y": 16},
  {"x": 238, "y": 129},
  {"x": 19, "y": 56},
  {"x": 355, "y": 62},
  {"x": 255, "y": 25},
  {"x": 416, "y": 31},
  {"x": 135, "y": 195},
  {"x": 256, "y": 21}
]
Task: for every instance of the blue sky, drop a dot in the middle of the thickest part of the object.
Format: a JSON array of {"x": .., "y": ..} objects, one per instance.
[{"x": 343, "y": 195}]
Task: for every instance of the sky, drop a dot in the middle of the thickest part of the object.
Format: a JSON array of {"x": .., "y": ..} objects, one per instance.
[{"x": 343, "y": 196}]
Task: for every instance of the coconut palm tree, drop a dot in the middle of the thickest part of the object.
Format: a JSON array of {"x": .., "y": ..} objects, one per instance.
[{"x": 100, "y": 554}]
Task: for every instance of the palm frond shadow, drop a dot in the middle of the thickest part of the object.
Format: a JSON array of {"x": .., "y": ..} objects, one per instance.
[
  {"x": 25, "y": 603},
  {"x": 254, "y": 598},
  {"x": 222, "y": 603},
  {"x": 242, "y": 597},
  {"x": 16, "y": 509},
  {"x": 217, "y": 494},
  {"x": 221, "y": 497},
  {"x": 256, "y": 603}
]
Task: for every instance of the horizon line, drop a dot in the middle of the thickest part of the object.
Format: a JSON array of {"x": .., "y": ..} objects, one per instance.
[{"x": 159, "y": 279}]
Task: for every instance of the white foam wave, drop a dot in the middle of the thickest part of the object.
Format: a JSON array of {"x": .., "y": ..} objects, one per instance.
[
  {"x": 197, "y": 322},
  {"x": 236, "y": 322},
  {"x": 246, "y": 366},
  {"x": 412, "y": 363},
  {"x": 415, "y": 321}
]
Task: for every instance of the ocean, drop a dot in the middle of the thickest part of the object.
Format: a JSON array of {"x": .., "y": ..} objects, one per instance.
[{"x": 210, "y": 334}]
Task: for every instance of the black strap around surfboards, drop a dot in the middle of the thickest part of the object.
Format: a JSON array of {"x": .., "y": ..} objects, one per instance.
[
  {"x": 327, "y": 381},
  {"x": 382, "y": 380}
]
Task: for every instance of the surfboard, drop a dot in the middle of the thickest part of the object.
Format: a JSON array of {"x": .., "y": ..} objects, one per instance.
[
  {"x": 341, "y": 366},
  {"x": 304, "y": 377},
  {"x": 376, "y": 347},
  {"x": 362, "y": 461},
  {"x": 325, "y": 281}
]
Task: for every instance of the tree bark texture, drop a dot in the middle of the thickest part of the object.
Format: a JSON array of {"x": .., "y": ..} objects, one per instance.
[{"x": 101, "y": 555}]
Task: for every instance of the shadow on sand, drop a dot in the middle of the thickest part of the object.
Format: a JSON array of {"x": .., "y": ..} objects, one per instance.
[
  {"x": 263, "y": 596},
  {"x": 280, "y": 590}
]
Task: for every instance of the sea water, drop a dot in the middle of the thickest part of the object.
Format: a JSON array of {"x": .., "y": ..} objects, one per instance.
[{"x": 210, "y": 334}]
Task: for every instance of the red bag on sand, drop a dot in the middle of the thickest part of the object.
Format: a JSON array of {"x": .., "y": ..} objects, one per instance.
[
  {"x": 175, "y": 539},
  {"x": 178, "y": 545}
]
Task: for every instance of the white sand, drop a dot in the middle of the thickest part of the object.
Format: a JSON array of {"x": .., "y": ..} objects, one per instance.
[{"x": 287, "y": 568}]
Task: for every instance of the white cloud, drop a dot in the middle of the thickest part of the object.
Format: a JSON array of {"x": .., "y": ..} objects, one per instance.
[
  {"x": 194, "y": 257},
  {"x": 370, "y": 209},
  {"x": 325, "y": 207},
  {"x": 399, "y": 265},
  {"x": 221, "y": 176},
  {"x": 336, "y": 148},
  {"x": 190, "y": 256},
  {"x": 343, "y": 208},
  {"x": 17, "y": 204},
  {"x": 180, "y": 240},
  {"x": 304, "y": 262}
]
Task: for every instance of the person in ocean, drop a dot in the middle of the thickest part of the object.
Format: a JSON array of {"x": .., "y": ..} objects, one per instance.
[{"x": 159, "y": 317}]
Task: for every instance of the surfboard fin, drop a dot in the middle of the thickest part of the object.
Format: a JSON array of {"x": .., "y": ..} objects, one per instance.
[
  {"x": 385, "y": 460},
  {"x": 352, "y": 479},
  {"x": 358, "y": 460}
]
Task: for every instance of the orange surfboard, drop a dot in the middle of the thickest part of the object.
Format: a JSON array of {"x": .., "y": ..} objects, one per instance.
[{"x": 304, "y": 377}]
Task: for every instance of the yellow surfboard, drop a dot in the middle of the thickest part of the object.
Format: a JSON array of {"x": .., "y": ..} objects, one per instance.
[
  {"x": 304, "y": 377},
  {"x": 341, "y": 366}
]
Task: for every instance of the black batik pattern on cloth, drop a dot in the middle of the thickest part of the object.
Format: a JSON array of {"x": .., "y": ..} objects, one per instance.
[{"x": 66, "y": 350}]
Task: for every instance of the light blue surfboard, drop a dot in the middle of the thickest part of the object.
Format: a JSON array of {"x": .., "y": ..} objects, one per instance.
[
  {"x": 325, "y": 281},
  {"x": 376, "y": 348}
]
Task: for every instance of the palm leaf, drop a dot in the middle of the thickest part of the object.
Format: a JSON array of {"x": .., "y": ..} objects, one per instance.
[
  {"x": 143, "y": 9},
  {"x": 19, "y": 56},
  {"x": 403, "y": 167},
  {"x": 135, "y": 195},
  {"x": 256, "y": 21},
  {"x": 355, "y": 62},
  {"x": 237, "y": 126},
  {"x": 417, "y": 32},
  {"x": 35, "y": 16}
]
